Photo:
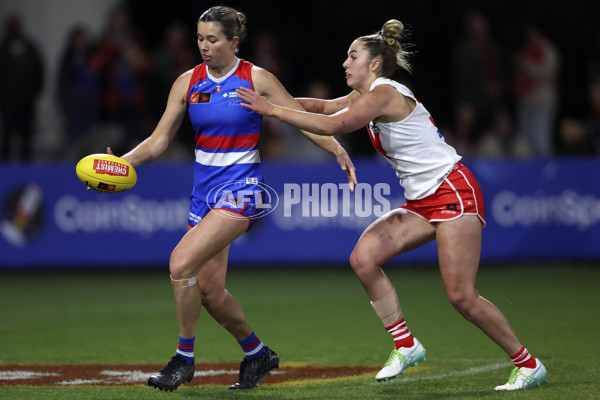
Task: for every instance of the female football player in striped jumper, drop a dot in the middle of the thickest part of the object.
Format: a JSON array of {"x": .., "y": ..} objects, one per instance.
[
  {"x": 227, "y": 192},
  {"x": 443, "y": 200}
]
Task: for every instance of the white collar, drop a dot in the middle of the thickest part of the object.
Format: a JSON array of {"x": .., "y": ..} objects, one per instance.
[{"x": 227, "y": 75}]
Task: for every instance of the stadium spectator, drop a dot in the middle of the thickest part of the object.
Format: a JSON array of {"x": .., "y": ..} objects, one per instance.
[
  {"x": 574, "y": 137},
  {"x": 296, "y": 146},
  {"x": 444, "y": 201},
  {"x": 581, "y": 135},
  {"x": 500, "y": 139},
  {"x": 21, "y": 83},
  {"x": 536, "y": 91},
  {"x": 593, "y": 121},
  {"x": 125, "y": 66},
  {"x": 463, "y": 133},
  {"x": 226, "y": 156},
  {"x": 265, "y": 52},
  {"x": 477, "y": 77},
  {"x": 593, "y": 57},
  {"x": 79, "y": 91},
  {"x": 174, "y": 55}
]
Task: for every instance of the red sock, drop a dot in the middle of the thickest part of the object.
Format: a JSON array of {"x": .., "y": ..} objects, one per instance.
[
  {"x": 523, "y": 359},
  {"x": 401, "y": 334}
]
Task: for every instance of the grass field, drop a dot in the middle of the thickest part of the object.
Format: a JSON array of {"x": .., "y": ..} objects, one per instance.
[{"x": 316, "y": 316}]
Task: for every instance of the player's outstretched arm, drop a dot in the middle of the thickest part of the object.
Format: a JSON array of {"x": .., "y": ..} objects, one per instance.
[
  {"x": 365, "y": 108},
  {"x": 268, "y": 85},
  {"x": 326, "y": 106}
]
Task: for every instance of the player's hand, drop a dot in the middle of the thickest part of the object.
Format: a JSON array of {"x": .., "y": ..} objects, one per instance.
[
  {"x": 108, "y": 151},
  {"x": 348, "y": 167},
  {"x": 255, "y": 102}
]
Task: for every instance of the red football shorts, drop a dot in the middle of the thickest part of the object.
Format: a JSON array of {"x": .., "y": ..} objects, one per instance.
[{"x": 458, "y": 195}]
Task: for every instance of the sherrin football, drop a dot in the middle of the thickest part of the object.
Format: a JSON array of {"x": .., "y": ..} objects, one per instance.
[{"x": 106, "y": 173}]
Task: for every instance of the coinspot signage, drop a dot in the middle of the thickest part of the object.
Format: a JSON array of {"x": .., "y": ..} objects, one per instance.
[
  {"x": 534, "y": 209},
  {"x": 544, "y": 210},
  {"x": 49, "y": 219}
]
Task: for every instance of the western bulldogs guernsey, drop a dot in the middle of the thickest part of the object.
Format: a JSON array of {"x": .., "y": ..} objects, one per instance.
[
  {"x": 414, "y": 147},
  {"x": 226, "y": 133}
]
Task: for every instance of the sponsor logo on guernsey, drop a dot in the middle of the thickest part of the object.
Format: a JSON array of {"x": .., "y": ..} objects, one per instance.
[
  {"x": 200, "y": 98},
  {"x": 441, "y": 179},
  {"x": 449, "y": 212},
  {"x": 110, "y": 168},
  {"x": 194, "y": 218},
  {"x": 373, "y": 127}
]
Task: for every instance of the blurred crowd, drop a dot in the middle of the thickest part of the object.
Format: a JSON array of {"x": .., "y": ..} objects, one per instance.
[
  {"x": 112, "y": 90},
  {"x": 506, "y": 103}
]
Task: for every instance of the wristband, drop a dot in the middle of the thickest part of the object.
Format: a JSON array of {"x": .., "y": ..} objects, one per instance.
[{"x": 277, "y": 111}]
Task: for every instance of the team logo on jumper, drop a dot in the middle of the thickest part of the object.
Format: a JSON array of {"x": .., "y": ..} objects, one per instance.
[
  {"x": 230, "y": 94},
  {"x": 200, "y": 98}
]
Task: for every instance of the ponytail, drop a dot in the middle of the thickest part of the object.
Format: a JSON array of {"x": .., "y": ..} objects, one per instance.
[{"x": 387, "y": 44}]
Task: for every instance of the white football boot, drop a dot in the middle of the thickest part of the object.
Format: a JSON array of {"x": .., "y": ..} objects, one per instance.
[
  {"x": 400, "y": 360},
  {"x": 524, "y": 378}
]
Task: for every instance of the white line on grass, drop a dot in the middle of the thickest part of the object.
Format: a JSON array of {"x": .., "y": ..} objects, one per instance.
[
  {"x": 213, "y": 372},
  {"x": 15, "y": 375},
  {"x": 470, "y": 371}
]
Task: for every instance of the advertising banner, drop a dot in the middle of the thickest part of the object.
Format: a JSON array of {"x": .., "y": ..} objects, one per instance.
[{"x": 541, "y": 210}]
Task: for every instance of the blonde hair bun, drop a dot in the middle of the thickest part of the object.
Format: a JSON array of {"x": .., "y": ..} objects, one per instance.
[
  {"x": 392, "y": 32},
  {"x": 387, "y": 44}
]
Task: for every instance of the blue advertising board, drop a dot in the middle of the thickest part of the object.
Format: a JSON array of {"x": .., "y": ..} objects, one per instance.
[{"x": 543, "y": 209}]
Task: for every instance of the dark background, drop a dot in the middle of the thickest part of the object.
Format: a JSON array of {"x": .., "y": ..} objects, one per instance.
[
  {"x": 312, "y": 38},
  {"x": 315, "y": 35}
]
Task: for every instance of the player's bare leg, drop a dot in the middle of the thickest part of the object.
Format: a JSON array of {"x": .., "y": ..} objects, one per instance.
[
  {"x": 459, "y": 247},
  {"x": 393, "y": 233},
  {"x": 205, "y": 245},
  {"x": 199, "y": 245},
  {"x": 217, "y": 231},
  {"x": 217, "y": 300}
]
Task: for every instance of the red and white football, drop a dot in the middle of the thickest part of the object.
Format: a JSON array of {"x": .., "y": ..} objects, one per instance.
[{"x": 106, "y": 173}]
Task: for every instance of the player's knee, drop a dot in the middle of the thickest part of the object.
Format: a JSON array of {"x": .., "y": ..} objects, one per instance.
[
  {"x": 208, "y": 298},
  {"x": 361, "y": 262},
  {"x": 212, "y": 295},
  {"x": 180, "y": 267},
  {"x": 462, "y": 301},
  {"x": 206, "y": 290},
  {"x": 356, "y": 259}
]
